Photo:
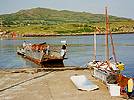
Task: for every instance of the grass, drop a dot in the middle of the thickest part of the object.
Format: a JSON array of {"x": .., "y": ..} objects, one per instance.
[{"x": 70, "y": 28}]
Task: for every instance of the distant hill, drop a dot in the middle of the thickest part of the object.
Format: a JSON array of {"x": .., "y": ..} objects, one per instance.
[
  {"x": 58, "y": 16},
  {"x": 49, "y": 17}
]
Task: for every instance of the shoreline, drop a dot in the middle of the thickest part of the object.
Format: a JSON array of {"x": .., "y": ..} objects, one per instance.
[{"x": 73, "y": 34}]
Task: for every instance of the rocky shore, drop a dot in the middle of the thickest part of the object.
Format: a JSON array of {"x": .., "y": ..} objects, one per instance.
[{"x": 48, "y": 85}]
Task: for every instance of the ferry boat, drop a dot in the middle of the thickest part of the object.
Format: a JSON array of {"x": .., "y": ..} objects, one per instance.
[{"x": 41, "y": 54}]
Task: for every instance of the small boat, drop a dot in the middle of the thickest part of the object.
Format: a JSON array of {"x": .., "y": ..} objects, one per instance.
[
  {"x": 106, "y": 70},
  {"x": 41, "y": 55},
  {"x": 109, "y": 72}
]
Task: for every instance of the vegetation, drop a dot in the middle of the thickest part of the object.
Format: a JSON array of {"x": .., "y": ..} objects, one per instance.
[{"x": 47, "y": 21}]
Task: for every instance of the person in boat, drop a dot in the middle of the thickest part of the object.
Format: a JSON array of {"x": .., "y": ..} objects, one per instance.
[
  {"x": 24, "y": 44},
  {"x": 46, "y": 50},
  {"x": 130, "y": 87},
  {"x": 63, "y": 50}
]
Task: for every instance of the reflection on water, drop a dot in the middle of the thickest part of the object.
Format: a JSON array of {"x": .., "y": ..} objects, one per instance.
[{"x": 79, "y": 50}]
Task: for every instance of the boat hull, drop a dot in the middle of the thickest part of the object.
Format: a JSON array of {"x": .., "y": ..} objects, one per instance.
[
  {"x": 43, "y": 60},
  {"x": 52, "y": 63}
]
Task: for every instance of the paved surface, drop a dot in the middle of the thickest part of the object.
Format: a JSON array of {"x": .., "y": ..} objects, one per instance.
[{"x": 51, "y": 86}]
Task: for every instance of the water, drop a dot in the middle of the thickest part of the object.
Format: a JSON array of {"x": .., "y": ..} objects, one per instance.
[{"x": 79, "y": 50}]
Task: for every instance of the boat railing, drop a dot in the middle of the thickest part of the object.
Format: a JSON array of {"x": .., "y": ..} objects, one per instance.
[{"x": 100, "y": 74}]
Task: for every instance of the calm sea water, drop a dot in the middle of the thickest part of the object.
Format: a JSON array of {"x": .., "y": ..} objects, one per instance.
[{"x": 79, "y": 50}]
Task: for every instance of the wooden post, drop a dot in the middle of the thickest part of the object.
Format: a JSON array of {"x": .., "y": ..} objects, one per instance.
[
  {"x": 106, "y": 38},
  {"x": 1, "y": 23},
  {"x": 94, "y": 58}
]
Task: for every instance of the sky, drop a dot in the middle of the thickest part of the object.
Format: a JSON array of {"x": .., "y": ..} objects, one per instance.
[{"x": 120, "y": 8}]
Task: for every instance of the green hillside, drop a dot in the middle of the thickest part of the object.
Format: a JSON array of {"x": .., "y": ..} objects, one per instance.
[{"x": 48, "y": 21}]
